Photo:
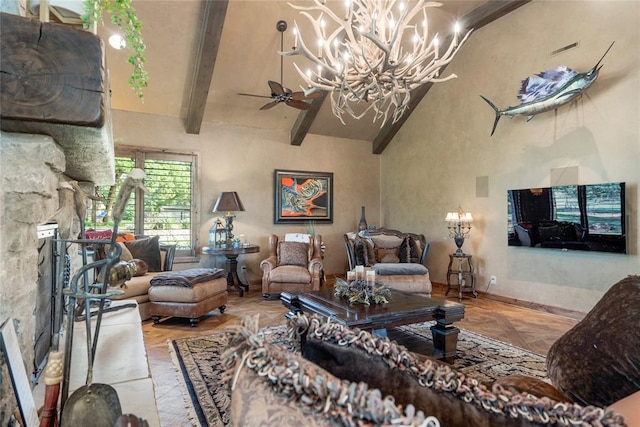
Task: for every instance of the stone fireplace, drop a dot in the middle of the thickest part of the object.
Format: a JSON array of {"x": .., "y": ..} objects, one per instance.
[
  {"x": 32, "y": 194},
  {"x": 31, "y": 168}
]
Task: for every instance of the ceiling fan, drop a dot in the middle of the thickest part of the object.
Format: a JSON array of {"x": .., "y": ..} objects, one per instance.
[{"x": 280, "y": 93}]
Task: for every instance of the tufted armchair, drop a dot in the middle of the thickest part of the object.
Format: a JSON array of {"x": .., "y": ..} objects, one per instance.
[{"x": 291, "y": 267}]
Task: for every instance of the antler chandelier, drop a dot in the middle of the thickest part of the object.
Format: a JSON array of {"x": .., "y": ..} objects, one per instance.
[{"x": 377, "y": 51}]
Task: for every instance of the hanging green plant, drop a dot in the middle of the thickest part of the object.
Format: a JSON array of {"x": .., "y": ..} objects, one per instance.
[{"x": 124, "y": 16}]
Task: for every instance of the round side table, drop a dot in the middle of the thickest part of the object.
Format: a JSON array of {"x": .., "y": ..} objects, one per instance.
[{"x": 232, "y": 254}]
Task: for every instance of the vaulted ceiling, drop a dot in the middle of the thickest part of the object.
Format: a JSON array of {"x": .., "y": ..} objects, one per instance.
[{"x": 202, "y": 54}]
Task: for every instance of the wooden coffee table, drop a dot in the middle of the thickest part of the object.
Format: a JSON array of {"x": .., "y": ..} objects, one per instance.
[{"x": 402, "y": 309}]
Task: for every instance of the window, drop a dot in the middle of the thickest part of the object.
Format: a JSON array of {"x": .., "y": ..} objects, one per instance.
[{"x": 168, "y": 206}]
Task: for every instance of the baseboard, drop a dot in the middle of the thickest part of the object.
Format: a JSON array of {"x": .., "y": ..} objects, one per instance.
[{"x": 572, "y": 314}]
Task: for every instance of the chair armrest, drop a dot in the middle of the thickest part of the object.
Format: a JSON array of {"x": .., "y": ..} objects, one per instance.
[
  {"x": 348, "y": 244},
  {"x": 315, "y": 266},
  {"x": 169, "y": 256},
  {"x": 269, "y": 264},
  {"x": 425, "y": 251}
]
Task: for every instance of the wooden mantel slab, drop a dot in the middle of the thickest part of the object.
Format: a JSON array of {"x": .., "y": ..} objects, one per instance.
[
  {"x": 50, "y": 73},
  {"x": 53, "y": 82}
]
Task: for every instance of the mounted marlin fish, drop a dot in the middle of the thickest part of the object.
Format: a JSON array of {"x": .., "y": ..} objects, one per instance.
[{"x": 548, "y": 90}]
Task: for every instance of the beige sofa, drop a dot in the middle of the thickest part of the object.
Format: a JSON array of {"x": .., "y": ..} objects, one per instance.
[
  {"x": 137, "y": 287},
  {"x": 398, "y": 258}
]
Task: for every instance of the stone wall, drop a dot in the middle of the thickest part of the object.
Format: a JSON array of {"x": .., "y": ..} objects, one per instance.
[{"x": 31, "y": 168}]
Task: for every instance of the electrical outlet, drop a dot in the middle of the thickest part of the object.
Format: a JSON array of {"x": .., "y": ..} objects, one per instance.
[{"x": 493, "y": 280}]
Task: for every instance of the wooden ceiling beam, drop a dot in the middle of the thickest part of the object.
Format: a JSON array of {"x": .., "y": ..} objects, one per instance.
[
  {"x": 305, "y": 120},
  {"x": 476, "y": 19},
  {"x": 214, "y": 13}
]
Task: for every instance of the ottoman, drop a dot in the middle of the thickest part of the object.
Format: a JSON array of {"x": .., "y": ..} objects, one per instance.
[{"x": 190, "y": 302}]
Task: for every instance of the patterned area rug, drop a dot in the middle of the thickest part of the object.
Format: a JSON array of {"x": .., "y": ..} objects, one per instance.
[{"x": 198, "y": 361}]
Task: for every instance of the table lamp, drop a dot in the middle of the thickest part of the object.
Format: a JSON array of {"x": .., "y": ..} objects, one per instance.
[
  {"x": 459, "y": 225},
  {"x": 228, "y": 202}
]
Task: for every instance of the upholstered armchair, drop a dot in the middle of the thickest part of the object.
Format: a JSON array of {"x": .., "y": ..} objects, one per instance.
[{"x": 291, "y": 266}]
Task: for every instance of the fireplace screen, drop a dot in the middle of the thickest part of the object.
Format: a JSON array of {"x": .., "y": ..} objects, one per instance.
[{"x": 48, "y": 311}]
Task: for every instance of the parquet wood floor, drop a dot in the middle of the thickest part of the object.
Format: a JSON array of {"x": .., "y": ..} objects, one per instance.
[{"x": 522, "y": 327}]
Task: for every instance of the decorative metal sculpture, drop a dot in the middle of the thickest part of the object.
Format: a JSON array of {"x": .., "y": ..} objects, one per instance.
[{"x": 548, "y": 90}]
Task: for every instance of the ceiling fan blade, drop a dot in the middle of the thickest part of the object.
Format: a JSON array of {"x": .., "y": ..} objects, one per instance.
[
  {"x": 256, "y": 96},
  {"x": 302, "y": 96},
  {"x": 300, "y": 105},
  {"x": 269, "y": 105},
  {"x": 276, "y": 88},
  {"x": 297, "y": 96}
]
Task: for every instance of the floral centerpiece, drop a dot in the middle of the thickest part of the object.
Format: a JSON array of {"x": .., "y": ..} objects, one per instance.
[{"x": 361, "y": 290}]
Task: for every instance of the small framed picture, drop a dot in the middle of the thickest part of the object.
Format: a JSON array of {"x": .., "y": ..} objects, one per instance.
[{"x": 301, "y": 196}]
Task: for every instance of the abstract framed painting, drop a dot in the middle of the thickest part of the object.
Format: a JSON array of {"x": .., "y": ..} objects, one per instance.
[{"x": 301, "y": 196}]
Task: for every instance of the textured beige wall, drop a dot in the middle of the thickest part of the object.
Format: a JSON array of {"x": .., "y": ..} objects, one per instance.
[
  {"x": 243, "y": 160},
  {"x": 432, "y": 165}
]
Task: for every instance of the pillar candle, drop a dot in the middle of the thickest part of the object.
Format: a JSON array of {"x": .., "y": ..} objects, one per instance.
[
  {"x": 371, "y": 276},
  {"x": 359, "y": 272},
  {"x": 351, "y": 276}
]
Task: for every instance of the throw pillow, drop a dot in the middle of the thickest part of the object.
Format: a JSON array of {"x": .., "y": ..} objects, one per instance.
[
  {"x": 99, "y": 234},
  {"x": 597, "y": 362},
  {"x": 386, "y": 241},
  {"x": 141, "y": 267},
  {"x": 293, "y": 253},
  {"x": 408, "y": 250},
  {"x": 360, "y": 252},
  {"x": 119, "y": 273},
  {"x": 125, "y": 255},
  {"x": 147, "y": 249},
  {"x": 125, "y": 237},
  {"x": 389, "y": 255},
  {"x": 388, "y": 258},
  {"x": 364, "y": 252}
]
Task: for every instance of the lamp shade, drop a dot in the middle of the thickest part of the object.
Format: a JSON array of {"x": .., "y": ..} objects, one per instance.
[
  {"x": 452, "y": 217},
  {"x": 459, "y": 216},
  {"x": 228, "y": 201}
]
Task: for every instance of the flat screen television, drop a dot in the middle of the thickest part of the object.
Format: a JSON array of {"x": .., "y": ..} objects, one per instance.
[{"x": 569, "y": 217}]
